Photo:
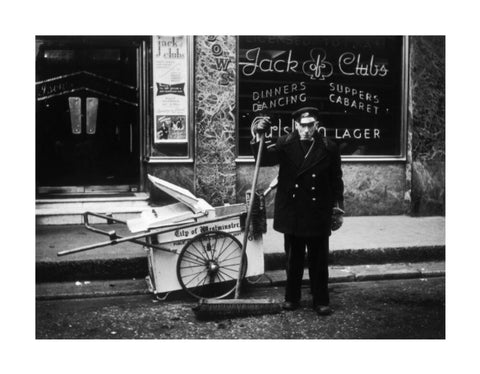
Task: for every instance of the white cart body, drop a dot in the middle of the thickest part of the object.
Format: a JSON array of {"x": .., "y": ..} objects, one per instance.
[{"x": 163, "y": 264}]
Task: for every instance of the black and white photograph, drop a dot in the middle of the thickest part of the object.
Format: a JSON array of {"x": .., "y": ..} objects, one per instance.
[
  {"x": 340, "y": 139},
  {"x": 207, "y": 192}
]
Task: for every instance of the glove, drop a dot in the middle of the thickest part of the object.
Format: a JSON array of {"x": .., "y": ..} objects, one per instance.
[
  {"x": 261, "y": 125},
  {"x": 337, "y": 219}
]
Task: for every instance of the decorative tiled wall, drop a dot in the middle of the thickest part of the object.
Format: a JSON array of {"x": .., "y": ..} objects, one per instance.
[
  {"x": 374, "y": 188},
  {"x": 215, "y": 90},
  {"x": 427, "y": 113}
]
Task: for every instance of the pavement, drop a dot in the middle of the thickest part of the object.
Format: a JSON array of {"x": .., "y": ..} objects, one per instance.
[{"x": 365, "y": 248}]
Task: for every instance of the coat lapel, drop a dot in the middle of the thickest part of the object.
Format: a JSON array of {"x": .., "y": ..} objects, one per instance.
[
  {"x": 294, "y": 150},
  {"x": 317, "y": 154}
]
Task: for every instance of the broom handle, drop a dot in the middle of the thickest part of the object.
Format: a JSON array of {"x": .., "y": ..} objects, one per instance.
[{"x": 249, "y": 215}]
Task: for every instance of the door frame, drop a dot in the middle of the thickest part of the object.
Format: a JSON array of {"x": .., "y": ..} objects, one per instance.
[{"x": 141, "y": 45}]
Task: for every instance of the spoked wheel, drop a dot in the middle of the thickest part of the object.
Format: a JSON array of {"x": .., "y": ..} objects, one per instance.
[{"x": 208, "y": 265}]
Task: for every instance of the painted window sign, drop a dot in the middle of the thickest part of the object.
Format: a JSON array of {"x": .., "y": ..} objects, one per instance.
[{"x": 355, "y": 82}]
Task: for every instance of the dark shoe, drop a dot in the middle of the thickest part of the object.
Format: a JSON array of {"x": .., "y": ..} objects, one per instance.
[
  {"x": 323, "y": 310},
  {"x": 288, "y": 305}
]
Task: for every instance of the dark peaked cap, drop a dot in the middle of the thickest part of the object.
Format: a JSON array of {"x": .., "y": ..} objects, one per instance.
[{"x": 308, "y": 111}]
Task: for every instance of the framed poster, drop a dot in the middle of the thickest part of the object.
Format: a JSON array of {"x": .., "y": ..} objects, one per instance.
[
  {"x": 357, "y": 83},
  {"x": 171, "y": 89}
]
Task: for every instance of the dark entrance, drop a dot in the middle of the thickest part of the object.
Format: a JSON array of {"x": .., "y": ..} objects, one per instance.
[{"x": 88, "y": 114}]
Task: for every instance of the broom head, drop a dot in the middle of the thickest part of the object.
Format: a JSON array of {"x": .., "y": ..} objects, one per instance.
[{"x": 208, "y": 309}]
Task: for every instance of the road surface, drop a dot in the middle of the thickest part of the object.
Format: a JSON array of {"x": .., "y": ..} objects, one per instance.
[{"x": 389, "y": 309}]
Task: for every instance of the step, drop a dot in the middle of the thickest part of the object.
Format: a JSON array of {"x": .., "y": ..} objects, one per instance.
[
  {"x": 69, "y": 211},
  {"x": 91, "y": 203}
]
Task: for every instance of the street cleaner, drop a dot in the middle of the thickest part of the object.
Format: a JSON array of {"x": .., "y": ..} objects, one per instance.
[{"x": 308, "y": 202}]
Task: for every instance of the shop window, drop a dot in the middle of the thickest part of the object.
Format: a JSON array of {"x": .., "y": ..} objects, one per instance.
[
  {"x": 171, "y": 131},
  {"x": 357, "y": 83}
]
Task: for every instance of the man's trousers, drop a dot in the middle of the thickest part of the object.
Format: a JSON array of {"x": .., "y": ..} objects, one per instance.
[{"x": 317, "y": 257}]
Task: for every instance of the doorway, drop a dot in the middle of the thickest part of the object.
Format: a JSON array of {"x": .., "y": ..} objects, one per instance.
[{"x": 88, "y": 103}]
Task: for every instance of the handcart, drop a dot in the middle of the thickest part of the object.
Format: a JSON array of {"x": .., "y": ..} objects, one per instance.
[{"x": 191, "y": 245}]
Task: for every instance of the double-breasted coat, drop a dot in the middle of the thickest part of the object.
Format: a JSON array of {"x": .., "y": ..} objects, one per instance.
[{"x": 309, "y": 185}]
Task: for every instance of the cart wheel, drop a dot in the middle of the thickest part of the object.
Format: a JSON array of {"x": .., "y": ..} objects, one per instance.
[{"x": 208, "y": 265}]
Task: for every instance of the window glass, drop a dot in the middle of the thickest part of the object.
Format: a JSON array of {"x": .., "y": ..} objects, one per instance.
[{"x": 355, "y": 82}]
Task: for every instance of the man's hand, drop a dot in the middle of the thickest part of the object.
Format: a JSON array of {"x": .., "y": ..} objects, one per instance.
[
  {"x": 337, "y": 219},
  {"x": 261, "y": 125}
]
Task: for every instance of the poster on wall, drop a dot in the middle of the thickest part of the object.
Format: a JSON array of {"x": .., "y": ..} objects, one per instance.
[
  {"x": 355, "y": 82},
  {"x": 170, "y": 74},
  {"x": 170, "y": 129}
]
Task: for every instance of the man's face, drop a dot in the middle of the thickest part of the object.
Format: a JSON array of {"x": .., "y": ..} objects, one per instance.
[{"x": 307, "y": 129}]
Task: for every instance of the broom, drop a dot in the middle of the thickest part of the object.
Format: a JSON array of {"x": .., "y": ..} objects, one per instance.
[{"x": 216, "y": 309}]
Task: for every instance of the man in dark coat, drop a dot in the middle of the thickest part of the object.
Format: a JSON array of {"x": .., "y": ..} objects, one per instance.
[{"x": 308, "y": 202}]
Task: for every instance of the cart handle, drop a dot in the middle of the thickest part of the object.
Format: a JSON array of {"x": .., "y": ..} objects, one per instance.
[
  {"x": 134, "y": 238},
  {"x": 113, "y": 236}
]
